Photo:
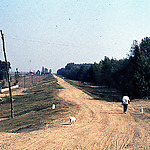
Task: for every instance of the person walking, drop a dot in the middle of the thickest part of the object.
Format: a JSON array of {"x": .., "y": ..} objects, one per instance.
[{"x": 125, "y": 102}]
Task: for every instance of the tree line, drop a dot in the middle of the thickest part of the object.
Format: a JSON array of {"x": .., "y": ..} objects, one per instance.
[{"x": 130, "y": 75}]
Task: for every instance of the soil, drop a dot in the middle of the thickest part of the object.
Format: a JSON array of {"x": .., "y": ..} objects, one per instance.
[{"x": 99, "y": 125}]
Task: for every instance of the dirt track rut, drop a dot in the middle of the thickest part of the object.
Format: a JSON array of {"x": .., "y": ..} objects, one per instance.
[{"x": 100, "y": 125}]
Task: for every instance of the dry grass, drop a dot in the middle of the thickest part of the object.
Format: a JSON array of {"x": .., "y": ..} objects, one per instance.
[
  {"x": 98, "y": 92},
  {"x": 33, "y": 110},
  {"x": 141, "y": 118}
]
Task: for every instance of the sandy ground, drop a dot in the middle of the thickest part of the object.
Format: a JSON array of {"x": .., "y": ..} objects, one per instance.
[{"x": 100, "y": 126}]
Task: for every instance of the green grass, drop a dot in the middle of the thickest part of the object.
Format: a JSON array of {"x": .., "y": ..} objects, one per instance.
[{"x": 33, "y": 111}]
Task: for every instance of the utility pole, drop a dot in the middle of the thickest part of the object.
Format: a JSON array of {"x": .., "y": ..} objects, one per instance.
[
  {"x": 24, "y": 81},
  {"x": 8, "y": 76},
  {"x": 32, "y": 80}
]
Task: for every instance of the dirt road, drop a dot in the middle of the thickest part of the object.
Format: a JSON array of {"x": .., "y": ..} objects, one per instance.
[{"x": 100, "y": 125}]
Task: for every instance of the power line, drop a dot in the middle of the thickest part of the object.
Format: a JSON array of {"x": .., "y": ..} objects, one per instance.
[
  {"x": 40, "y": 41},
  {"x": 49, "y": 43}
]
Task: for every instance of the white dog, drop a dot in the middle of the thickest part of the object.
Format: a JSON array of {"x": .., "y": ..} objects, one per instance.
[{"x": 72, "y": 120}]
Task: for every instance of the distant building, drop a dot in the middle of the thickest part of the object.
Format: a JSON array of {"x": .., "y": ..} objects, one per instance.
[
  {"x": 38, "y": 73},
  {"x": 45, "y": 71},
  {"x": 30, "y": 73},
  {"x": 50, "y": 71}
]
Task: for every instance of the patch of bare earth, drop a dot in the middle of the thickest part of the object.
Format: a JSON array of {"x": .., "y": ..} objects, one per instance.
[{"x": 100, "y": 125}]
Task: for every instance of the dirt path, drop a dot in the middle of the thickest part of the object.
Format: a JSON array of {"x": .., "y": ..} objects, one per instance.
[{"x": 100, "y": 125}]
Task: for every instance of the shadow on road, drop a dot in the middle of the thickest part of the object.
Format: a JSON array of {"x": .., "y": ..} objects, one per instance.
[
  {"x": 66, "y": 124},
  {"x": 110, "y": 113}
]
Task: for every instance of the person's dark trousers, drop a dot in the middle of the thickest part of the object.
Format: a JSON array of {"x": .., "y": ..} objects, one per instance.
[{"x": 125, "y": 106}]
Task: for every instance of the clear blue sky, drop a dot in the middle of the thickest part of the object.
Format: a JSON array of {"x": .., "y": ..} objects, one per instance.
[{"x": 52, "y": 33}]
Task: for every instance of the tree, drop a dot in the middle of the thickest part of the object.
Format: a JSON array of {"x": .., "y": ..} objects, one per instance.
[
  {"x": 16, "y": 76},
  {"x": 83, "y": 73},
  {"x": 106, "y": 71},
  {"x": 130, "y": 75},
  {"x": 140, "y": 60}
]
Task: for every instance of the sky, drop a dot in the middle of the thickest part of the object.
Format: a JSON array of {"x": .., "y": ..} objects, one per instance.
[{"x": 52, "y": 33}]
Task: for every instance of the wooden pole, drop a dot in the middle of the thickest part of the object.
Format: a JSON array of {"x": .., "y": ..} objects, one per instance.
[
  {"x": 24, "y": 81},
  {"x": 32, "y": 79},
  {"x": 8, "y": 76}
]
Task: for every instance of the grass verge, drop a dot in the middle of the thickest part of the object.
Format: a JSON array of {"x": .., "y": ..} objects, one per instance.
[
  {"x": 33, "y": 110},
  {"x": 97, "y": 92}
]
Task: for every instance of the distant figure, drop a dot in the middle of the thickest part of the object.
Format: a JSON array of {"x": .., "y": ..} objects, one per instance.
[{"x": 125, "y": 102}]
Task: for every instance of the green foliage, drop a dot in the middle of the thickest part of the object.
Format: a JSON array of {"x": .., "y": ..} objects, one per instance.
[
  {"x": 16, "y": 76},
  {"x": 130, "y": 75},
  {"x": 75, "y": 71},
  {"x": 140, "y": 60},
  {"x": 95, "y": 73}
]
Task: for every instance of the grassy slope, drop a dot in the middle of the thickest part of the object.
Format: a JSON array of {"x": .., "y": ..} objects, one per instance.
[
  {"x": 99, "y": 93},
  {"x": 33, "y": 109}
]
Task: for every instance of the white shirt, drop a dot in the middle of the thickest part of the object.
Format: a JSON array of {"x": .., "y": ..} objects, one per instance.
[{"x": 125, "y": 100}]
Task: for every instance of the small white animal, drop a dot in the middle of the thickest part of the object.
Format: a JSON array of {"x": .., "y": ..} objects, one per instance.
[{"x": 72, "y": 120}]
